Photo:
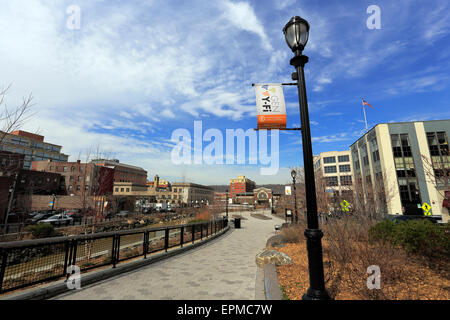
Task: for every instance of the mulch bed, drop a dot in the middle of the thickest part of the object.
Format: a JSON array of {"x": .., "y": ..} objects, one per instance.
[{"x": 429, "y": 284}]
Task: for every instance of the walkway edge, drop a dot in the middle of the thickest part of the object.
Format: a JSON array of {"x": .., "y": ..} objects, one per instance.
[
  {"x": 271, "y": 284},
  {"x": 95, "y": 276}
]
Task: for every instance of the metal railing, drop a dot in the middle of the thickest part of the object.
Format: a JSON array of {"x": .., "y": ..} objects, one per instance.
[{"x": 29, "y": 262}]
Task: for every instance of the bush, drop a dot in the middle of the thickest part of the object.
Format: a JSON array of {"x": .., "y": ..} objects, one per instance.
[
  {"x": 419, "y": 237},
  {"x": 42, "y": 230},
  {"x": 383, "y": 230}
]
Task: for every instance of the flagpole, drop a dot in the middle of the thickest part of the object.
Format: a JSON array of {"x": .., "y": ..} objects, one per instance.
[{"x": 365, "y": 119}]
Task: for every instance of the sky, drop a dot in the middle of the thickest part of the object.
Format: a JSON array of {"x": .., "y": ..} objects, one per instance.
[{"x": 136, "y": 71}]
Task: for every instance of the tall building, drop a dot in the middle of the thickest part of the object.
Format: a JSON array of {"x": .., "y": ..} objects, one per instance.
[
  {"x": 400, "y": 166},
  {"x": 241, "y": 185},
  {"x": 335, "y": 167},
  {"x": 124, "y": 172},
  {"x": 32, "y": 146}
]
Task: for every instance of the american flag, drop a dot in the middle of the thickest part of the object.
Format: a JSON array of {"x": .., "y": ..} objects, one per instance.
[{"x": 365, "y": 103}]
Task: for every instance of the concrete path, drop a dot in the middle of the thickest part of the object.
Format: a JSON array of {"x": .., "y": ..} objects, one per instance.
[{"x": 222, "y": 269}]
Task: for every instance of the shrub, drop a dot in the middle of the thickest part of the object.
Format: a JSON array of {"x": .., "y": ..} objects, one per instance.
[
  {"x": 42, "y": 230},
  {"x": 419, "y": 237},
  {"x": 423, "y": 238},
  {"x": 383, "y": 230}
]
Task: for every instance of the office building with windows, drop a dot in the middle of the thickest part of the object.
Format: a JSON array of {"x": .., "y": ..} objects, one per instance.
[
  {"x": 241, "y": 185},
  {"x": 335, "y": 168},
  {"x": 400, "y": 166},
  {"x": 32, "y": 146}
]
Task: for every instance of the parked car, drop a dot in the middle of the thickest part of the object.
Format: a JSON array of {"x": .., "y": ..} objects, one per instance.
[
  {"x": 57, "y": 220},
  {"x": 38, "y": 217},
  {"x": 123, "y": 214}
]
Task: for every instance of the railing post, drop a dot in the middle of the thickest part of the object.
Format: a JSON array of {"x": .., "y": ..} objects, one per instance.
[
  {"x": 145, "y": 244},
  {"x": 74, "y": 252},
  {"x": 113, "y": 253},
  {"x": 4, "y": 255},
  {"x": 166, "y": 239},
  {"x": 201, "y": 231},
  {"x": 206, "y": 224},
  {"x": 181, "y": 237},
  {"x": 193, "y": 233},
  {"x": 66, "y": 256}
]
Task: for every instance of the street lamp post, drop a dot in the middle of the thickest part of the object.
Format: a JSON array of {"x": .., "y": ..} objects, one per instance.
[
  {"x": 296, "y": 33},
  {"x": 293, "y": 175},
  {"x": 226, "y": 204}
]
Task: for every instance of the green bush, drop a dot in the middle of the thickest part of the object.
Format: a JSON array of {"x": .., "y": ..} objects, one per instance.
[
  {"x": 383, "y": 230},
  {"x": 419, "y": 237},
  {"x": 198, "y": 220},
  {"x": 42, "y": 230}
]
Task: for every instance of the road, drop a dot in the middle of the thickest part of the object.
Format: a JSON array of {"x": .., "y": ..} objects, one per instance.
[{"x": 223, "y": 269}]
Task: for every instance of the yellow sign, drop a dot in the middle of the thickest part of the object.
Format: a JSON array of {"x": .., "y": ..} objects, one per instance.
[
  {"x": 344, "y": 205},
  {"x": 426, "y": 209}
]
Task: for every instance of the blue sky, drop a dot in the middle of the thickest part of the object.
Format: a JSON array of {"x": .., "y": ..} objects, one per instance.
[{"x": 137, "y": 70}]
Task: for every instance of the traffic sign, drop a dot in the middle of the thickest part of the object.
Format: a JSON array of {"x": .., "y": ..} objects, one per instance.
[
  {"x": 344, "y": 205},
  {"x": 426, "y": 209}
]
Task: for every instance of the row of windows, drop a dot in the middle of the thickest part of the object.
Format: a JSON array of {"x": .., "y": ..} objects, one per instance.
[
  {"x": 344, "y": 158},
  {"x": 333, "y": 181},
  {"x": 78, "y": 188},
  {"x": 333, "y": 169}
]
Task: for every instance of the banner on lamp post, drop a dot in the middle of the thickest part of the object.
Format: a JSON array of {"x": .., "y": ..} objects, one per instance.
[
  {"x": 287, "y": 190},
  {"x": 270, "y": 105}
]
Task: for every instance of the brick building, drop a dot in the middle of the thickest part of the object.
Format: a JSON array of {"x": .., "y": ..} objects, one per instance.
[
  {"x": 241, "y": 185},
  {"x": 31, "y": 146},
  {"x": 124, "y": 172},
  {"x": 81, "y": 179}
]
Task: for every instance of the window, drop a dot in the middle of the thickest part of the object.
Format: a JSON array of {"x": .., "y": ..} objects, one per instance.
[
  {"x": 174, "y": 189},
  {"x": 121, "y": 189},
  {"x": 331, "y": 181},
  {"x": 72, "y": 169},
  {"x": 79, "y": 178},
  {"x": 70, "y": 188},
  {"x": 343, "y": 158},
  {"x": 344, "y": 168},
  {"x": 65, "y": 169},
  {"x": 329, "y": 160},
  {"x": 128, "y": 189},
  {"x": 364, "y": 156},
  {"x": 346, "y": 180},
  {"x": 71, "y": 178},
  {"x": 78, "y": 188},
  {"x": 117, "y": 190},
  {"x": 330, "y": 169}
]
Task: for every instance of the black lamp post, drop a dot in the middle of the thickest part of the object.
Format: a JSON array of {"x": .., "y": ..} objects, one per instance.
[
  {"x": 296, "y": 33},
  {"x": 293, "y": 175},
  {"x": 226, "y": 204}
]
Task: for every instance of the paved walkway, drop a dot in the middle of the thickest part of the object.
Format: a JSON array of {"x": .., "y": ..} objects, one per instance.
[{"x": 224, "y": 268}]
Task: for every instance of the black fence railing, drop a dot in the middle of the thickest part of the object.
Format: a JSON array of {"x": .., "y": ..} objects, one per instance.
[{"x": 29, "y": 262}]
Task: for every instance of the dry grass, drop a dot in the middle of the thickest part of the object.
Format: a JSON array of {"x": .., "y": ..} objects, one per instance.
[{"x": 347, "y": 254}]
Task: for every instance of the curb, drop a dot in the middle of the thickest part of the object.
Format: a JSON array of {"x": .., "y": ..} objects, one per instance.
[
  {"x": 271, "y": 285},
  {"x": 95, "y": 276}
]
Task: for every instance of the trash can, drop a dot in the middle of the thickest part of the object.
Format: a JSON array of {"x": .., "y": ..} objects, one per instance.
[{"x": 237, "y": 223}]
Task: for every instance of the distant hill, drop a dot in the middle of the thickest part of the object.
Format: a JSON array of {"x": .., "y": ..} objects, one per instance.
[{"x": 276, "y": 188}]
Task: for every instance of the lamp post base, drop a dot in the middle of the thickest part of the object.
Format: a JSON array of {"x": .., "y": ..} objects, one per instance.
[{"x": 316, "y": 295}]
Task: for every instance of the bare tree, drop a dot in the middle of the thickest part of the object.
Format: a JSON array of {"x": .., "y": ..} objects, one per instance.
[{"x": 13, "y": 119}]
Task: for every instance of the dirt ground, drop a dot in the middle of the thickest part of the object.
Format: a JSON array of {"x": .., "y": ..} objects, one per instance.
[{"x": 427, "y": 284}]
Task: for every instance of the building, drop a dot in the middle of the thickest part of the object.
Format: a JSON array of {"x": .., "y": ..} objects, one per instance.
[
  {"x": 258, "y": 196},
  {"x": 124, "y": 172},
  {"x": 10, "y": 163},
  {"x": 26, "y": 184},
  {"x": 336, "y": 170},
  {"x": 241, "y": 185},
  {"x": 400, "y": 166},
  {"x": 80, "y": 179},
  {"x": 32, "y": 146},
  {"x": 178, "y": 192}
]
